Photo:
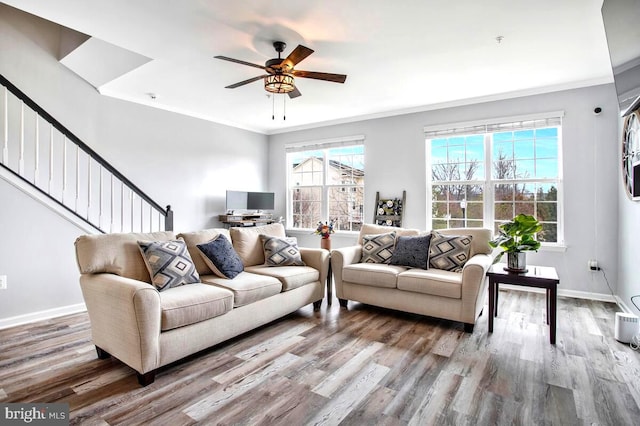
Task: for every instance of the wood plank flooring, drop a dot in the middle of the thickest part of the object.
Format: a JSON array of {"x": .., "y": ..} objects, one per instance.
[{"x": 361, "y": 366}]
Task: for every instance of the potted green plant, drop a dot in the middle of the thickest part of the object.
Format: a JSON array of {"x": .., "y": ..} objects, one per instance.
[{"x": 516, "y": 237}]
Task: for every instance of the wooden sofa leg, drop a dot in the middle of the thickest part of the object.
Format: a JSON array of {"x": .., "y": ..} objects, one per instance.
[
  {"x": 468, "y": 328},
  {"x": 102, "y": 354},
  {"x": 147, "y": 378},
  {"x": 317, "y": 304},
  {"x": 343, "y": 302}
]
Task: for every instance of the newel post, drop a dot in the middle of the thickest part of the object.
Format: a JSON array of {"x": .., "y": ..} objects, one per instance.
[{"x": 168, "y": 221}]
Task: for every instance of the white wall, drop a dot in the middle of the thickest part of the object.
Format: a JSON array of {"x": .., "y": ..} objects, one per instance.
[
  {"x": 395, "y": 158},
  {"x": 177, "y": 160}
]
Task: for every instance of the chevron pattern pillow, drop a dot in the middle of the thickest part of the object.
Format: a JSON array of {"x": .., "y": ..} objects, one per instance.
[
  {"x": 378, "y": 248},
  {"x": 449, "y": 252},
  {"x": 169, "y": 263},
  {"x": 280, "y": 251}
]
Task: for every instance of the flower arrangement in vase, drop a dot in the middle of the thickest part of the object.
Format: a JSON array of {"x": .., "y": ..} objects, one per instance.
[{"x": 325, "y": 230}]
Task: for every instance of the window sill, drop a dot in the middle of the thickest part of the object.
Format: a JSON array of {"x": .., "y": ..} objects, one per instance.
[
  {"x": 560, "y": 248},
  {"x": 338, "y": 234}
]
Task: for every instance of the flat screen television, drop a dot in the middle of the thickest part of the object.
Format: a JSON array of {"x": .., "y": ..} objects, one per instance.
[{"x": 244, "y": 200}]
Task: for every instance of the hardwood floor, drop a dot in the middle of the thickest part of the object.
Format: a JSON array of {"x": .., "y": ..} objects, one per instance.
[{"x": 360, "y": 366}]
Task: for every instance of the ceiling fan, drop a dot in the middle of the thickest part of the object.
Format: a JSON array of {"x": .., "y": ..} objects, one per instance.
[{"x": 280, "y": 77}]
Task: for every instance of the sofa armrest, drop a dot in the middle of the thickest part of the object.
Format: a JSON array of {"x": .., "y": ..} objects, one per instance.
[
  {"x": 125, "y": 318},
  {"x": 318, "y": 259},
  {"x": 339, "y": 259},
  {"x": 474, "y": 286}
]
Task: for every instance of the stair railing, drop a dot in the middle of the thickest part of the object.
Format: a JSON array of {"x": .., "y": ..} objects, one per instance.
[{"x": 39, "y": 151}]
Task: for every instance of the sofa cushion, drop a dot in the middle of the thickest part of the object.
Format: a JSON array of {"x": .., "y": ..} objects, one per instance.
[
  {"x": 480, "y": 242},
  {"x": 290, "y": 276},
  {"x": 220, "y": 257},
  {"x": 433, "y": 281},
  {"x": 190, "y": 304},
  {"x": 192, "y": 239},
  {"x": 372, "y": 274},
  {"x": 247, "y": 287},
  {"x": 378, "y": 248},
  {"x": 371, "y": 229},
  {"x": 116, "y": 253},
  {"x": 246, "y": 241},
  {"x": 280, "y": 251},
  {"x": 169, "y": 263},
  {"x": 449, "y": 252},
  {"x": 412, "y": 251}
]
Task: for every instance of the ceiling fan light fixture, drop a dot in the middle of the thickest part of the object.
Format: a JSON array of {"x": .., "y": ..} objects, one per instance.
[{"x": 279, "y": 83}]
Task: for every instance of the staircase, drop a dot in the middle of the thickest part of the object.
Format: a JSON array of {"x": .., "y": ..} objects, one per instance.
[{"x": 42, "y": 157}]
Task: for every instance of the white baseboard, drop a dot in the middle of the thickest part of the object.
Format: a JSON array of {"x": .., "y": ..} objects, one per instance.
[
  {"x": 623, "y": 306},
  {"x": 41, "y": 315},
  {"x": 569, "y": 293}
]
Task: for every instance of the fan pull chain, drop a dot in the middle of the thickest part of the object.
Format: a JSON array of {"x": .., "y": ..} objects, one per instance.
[
  {"x": 273, "y": 107},
  {"x": 284, "y": 107}
]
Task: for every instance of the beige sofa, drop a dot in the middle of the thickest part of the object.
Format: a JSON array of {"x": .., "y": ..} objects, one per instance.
[
  {"x": 438, "y": 293},
  {"x": 147, "y": 329}
]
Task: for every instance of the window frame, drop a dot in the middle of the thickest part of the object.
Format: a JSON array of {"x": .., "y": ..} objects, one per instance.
[
  {"x": 325, "y": 187},
  {"x": 488, "y": 182}
]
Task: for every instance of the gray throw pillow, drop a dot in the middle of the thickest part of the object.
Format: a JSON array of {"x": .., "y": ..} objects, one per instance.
[
  {"x": 169, "y": 263},
  {"x": 449, "y": 252},
  {"x": 378, "y": 248},
  {"x": 412, "y": 251},
  {"x": 221, "y": 258},
  {"x": 280, "y": 251}
]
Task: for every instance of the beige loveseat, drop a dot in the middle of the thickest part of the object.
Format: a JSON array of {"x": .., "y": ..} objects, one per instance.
[
  {"x": 457, "y": 296},
  {"x": 146, "y": 328}
]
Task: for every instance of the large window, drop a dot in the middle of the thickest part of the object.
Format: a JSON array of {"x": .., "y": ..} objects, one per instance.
[
  {"x": 484, "y": 175},
  {"x": 326, "y": 182}
]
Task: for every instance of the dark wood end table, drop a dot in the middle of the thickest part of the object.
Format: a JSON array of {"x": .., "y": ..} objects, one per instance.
[
  {"x": 329, "y": 284},
  {"x": 536, "y": 276}
]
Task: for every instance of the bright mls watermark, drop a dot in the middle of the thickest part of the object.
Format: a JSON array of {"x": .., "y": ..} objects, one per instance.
[{"x": 34, "y": 414}]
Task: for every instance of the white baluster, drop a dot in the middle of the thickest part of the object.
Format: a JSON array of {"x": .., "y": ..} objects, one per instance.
[
  {"x": 112, "y": 201},
  {"x": 36, "y": 170},
  {"x": 141, "y": 215},
  {"x": 121, "y": 206},
  {"x": 5, "y": 146},
  {"x": 50, "y": 158},
  {"x": 21, "y": 159},
  {"x": 88, "y": 186},
  {"x": 64, "y": 166},
  {"x": 131, "y": 206},
  {"x": 77, "y": 176},
  {"x": 100, "y": 196}
]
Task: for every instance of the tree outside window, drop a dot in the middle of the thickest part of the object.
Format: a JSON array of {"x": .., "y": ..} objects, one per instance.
[{"x": 486, "y": 178}]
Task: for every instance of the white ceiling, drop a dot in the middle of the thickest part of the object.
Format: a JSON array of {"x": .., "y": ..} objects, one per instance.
[{"x": 399, "y": 56}]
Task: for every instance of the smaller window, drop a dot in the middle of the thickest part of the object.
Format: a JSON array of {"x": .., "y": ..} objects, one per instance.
[{"x": 326, "y": 184}]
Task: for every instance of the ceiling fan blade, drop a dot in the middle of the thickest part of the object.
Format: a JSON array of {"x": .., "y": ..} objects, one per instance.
[
  {"x": 294, "y": 93},
  {"x": 242, "y": 83},
  {"x": 298, "y": 54},
  {"x": 336, "y": 78},
  {"x": 238, "y": 61}
]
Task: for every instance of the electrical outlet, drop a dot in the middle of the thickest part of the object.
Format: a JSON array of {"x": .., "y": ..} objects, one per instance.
[
  {"x": 593, "y": 265},
  {"x": 3, "y": 282}
]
